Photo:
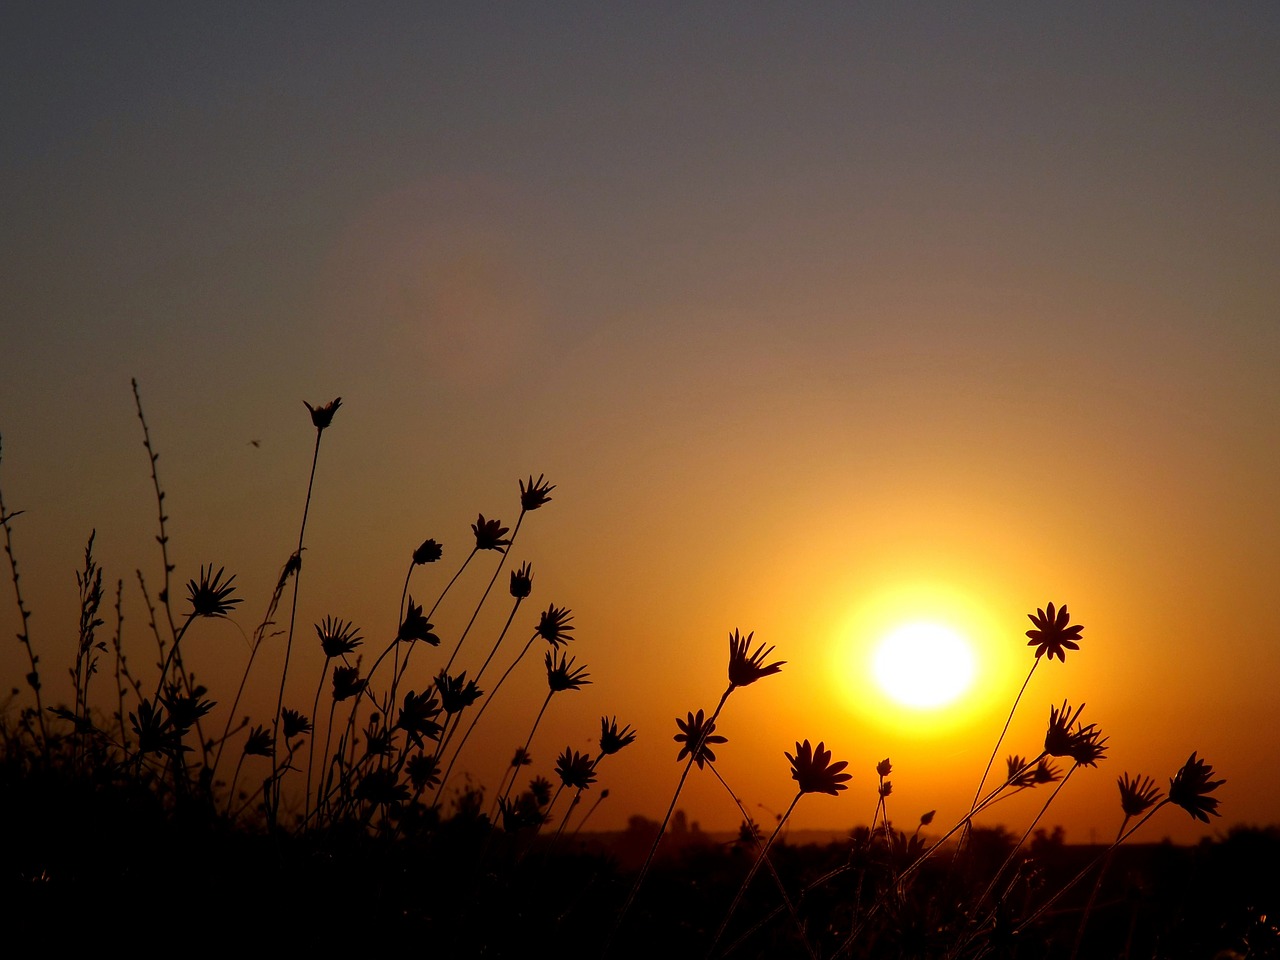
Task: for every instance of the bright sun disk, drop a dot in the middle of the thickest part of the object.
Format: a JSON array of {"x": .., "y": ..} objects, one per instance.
[{"x": 923, "y": 665}]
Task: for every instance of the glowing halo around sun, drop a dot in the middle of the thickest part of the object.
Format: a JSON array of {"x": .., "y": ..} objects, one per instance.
[{"x": 923, "y": 665}]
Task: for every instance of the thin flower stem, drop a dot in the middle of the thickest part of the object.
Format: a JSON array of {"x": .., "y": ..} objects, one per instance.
[
  {"x": 1026, "y": 833},
  {"x": 763, "y": 854},
  {"x": 33, "y": 678},
  {"x": 485, "y": 596},
  {"x": 515, "y": 769},
  {"x": 694, "y": 751}
]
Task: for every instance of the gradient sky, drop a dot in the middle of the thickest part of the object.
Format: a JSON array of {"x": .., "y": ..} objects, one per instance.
[{"x": 819, "y": 318}]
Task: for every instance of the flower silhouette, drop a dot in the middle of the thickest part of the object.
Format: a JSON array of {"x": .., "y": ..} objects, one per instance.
[
  {"x": 258, "y": 743},
  {"x": 321, "y": 417},
  {"x": 294, "y": 723},
  {"x": 553, "y": 625},
  {"x": 418, "y": 717},
  {"x": 489, "y": 534},
  {"x": 429, "y": 552},
  {"x": 1088, "y": 746},
  {"x": 562, "y": 675},
  {"x": 611, "y": 738},
  {"x": 347, "y": 683},
  {"x": 745, "y": 667},
  {"x": 812, "y": 769},
  {"x": 424, "y": 771},
  {"x": 457, "y": 693},
  {"x": 1059, "y": 739},
  {"x": 1137, "y": 794},
  {"x": 337, "y": 637},
  {"x": 697, "y": 734},
  {"x": 884, "y": 768},
  {"x": 521, "y": 581},
  {"x": 211, "y": 597},
  {"x": 535, "y": 494},
  {"x": 415, "y": 626},
  {"x": 1052, "y": 634},
  {"x": 1191, "y": 786},
  {"x": 575, "y": 769}
]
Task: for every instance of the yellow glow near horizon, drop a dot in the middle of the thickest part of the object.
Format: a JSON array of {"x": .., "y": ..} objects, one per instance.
[{"x": 923, "y": 665}]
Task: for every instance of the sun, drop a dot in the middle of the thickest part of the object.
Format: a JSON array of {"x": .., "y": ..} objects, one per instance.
[{"x": 923, "y": 665}]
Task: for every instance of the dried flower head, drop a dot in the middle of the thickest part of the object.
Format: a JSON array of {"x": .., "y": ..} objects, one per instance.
[
  {"x": 521, "y": 581},
  {"x": 424, "y": 771},
  {"x": 812, "y": 769},
  {"x": 415, "y": 626},
  {"x": 1052, "y": 635},
  {"x": 347, "y": 683},
  {"x": 1191, "y": 786},
  {"x": 259, "y": 743},
  {"x": 1137, "y": 794},
  {"x": 456, "y": 693},
  {"x": 1088, "y": 745},
  {"x": 575, "y": 769},
  {"x": 521, "y": 758},
  {"x": 321, "y": 417},
  {"x": 489, "y": 534},
  {"x": 418, "y": 717},
  {"x": 429, "y": 552},
  {"x": 1058, "y": 739},
  {"x": 211, "y": 597},
  {"x": 884, "y": 768},
  {"x": 535, "y": 494},
  {"x": 697, "y": 734},
  {"x": 611, "y": 738},
  {"x": 563, "y": 675},
  {"x": 338, "y": 637},
  {"x": 294, "y": 723},
  {"x": 553, "y": 625},
  {"x": 746, "y": 667},
  {"x": 927, "y": 817},
  {"x": 885, "y": 788}
]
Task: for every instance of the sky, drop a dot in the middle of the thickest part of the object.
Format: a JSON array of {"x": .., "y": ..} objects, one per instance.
[{"x": 820, "y": 318}]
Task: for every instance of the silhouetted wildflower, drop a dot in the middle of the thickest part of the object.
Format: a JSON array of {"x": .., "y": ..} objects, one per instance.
[
  {"x": 338, "y": 637},
  {"x": 1058, "y": 739},
  {"x": 294, "y": 723},
  {"x": 540, "y": 788},
  {"x": 347, "y": 683},
  {"x": 377, "y": 742},
  {"x": 259, "y": 742},
  {"x": 321, "y": 417},
  {"x": 521, "y": 581},
  {"x": 563, "y": 675},
  {"x": 520, "y": 813},
  {"x": 1052, "y": 634},
  {"x": 697, "y": 734},
  {"x": 1088, "y": 746},
  {"x": 745, "y": 667},
  {"x": 884, "y": 768},
  {"x": 553, "y": 625},
  {"x": 1016, "y": 776},
  {"x": 415, "y": 626},
  {"x": 382, "y": 786},
  {"x": 1189, "y": 789},
  {"x": 927, "y": 818},
  {"x": 456, "y": 693},
  {"x": 418, "y": 717},
  {"x": 521, "y": 758},
  {"x": 1045, "y": 772},
  {"x": 1137, "y": 794},
  {"x": 155, "y": 732},
  {"x": 535, "y": 494},
  {"x": 575, "y": 769},
  {"x": 885, "y": 788},
  {"x": 611, "y": 738},
  {"x": 812, "y": 769},
  {"x": 489, "y": 534},
  {"x": 211, "y": 597},
  {"x": 424, "y": 771},
  {"x": 186, "y": 709},
  {"x": 429, "y": 552}
]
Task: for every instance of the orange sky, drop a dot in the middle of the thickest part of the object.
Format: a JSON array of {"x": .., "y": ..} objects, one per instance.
[{"x": 816, "y": 319}]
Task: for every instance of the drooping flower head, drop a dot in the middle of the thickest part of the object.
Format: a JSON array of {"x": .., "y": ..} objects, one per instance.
[
  {"x": 338, "y": 637},
  {"x": 553, "y": 625},
  {"x": 429, "y": 552},
  {"x": 321, "y": 417},
  {"x": 489, "y": 534},
  {"x": 611, "y": 738},
  {"x": 521, "y": 581},
  {"x": 746, "y": 667},
  {"x": 535, "y": 494},
  {"x": 1052, "y": 634},
  {"x": 563, "y": 675},
  {"x": 211, "y": 597},
  {"x": 697, "y": 734},
  {"x": 456, "y": 693},
  {"x": 812, "y": 769},
  {"x": 347, "y": 683},
  {"x": 1191, "y": 787},
  {"x": 259, "y": 743},
  {"x": 294, "y": 723},
  {"x": 1137, "y": 794},
  {"x": 1088, "y": 745},
  {"x": 416, "y": 627},
  {"x": 575, "y": 769}
]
